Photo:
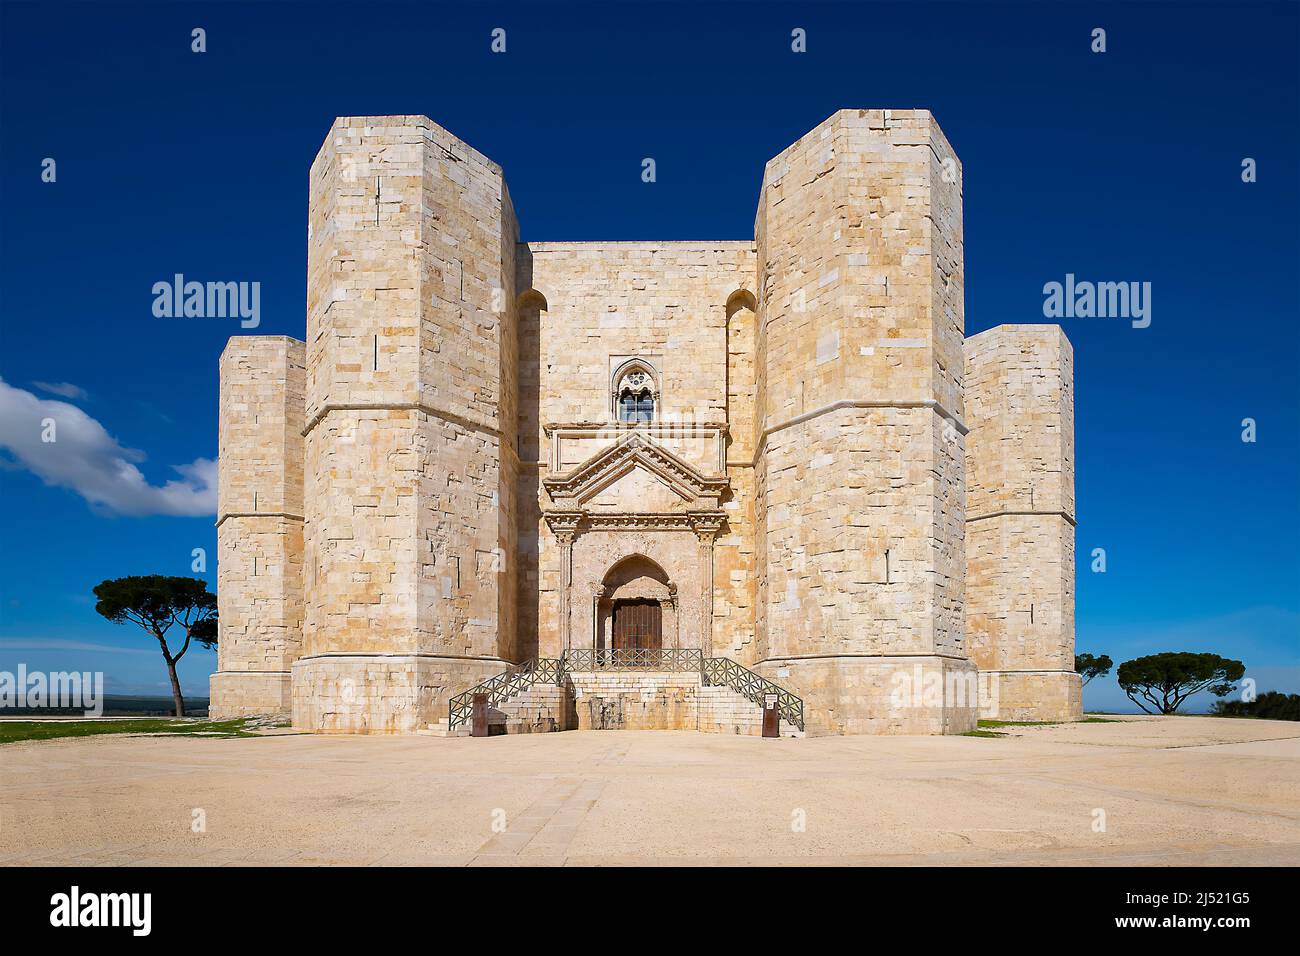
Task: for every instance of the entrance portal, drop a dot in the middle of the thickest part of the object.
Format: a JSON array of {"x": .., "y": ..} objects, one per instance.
[{"x": 638, "y": 625}]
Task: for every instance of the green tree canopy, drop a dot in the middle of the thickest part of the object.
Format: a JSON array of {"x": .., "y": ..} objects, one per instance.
[
  {"x": 1166, "y": 680},
  {"x": 1271, "y": 705},
  {"x": 156, "y": 604},
  {"x": 1089, "y": 666}
]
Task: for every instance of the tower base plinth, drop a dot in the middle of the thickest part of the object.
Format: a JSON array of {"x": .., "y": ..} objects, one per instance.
[
  {"x": 381, "y": 693},
  {"x": 1031, "y": 695},
  {"x": 248, "y": 693},
  {"x": 880, "y": 695}
]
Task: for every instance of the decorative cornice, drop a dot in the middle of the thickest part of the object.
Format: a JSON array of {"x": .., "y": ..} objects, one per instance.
[
  {"x": 643, "y": 427},
  {"x": 398, "y": 655},
  {"x": 466, "y": 423},
  {"x": 998, "y": 514},
  {"x": 573, "y": 523},
  {"x": 613, "y": 461},
  {"x": 931, "y": 403},
  {"x": 778, "y": 660},
  {"x": 258, "y": 514}
]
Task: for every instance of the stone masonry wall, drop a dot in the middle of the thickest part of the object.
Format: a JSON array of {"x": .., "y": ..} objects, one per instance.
[
  {"x": 410, "y": 381},
  {"x": 607, "y": 302},
  {"x": 861, "y": 494},
  {"x": 663, "y": 701},
  {"x": 259, "y": 524},
  {"x": 1020, "y": 513}
]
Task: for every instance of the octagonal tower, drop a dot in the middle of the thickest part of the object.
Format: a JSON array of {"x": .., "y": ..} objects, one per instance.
[
  {"x": 860, "y": 459},
  {"x": 409, "y": 436}
]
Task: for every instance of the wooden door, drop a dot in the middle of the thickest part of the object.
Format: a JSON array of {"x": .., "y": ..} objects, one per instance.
[{"x": 637, "y": 625}]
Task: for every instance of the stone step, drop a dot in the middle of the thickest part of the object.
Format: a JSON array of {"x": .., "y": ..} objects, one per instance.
[
  {"x": 439, "y": 729},
  {"x": 708, "y": 708}
]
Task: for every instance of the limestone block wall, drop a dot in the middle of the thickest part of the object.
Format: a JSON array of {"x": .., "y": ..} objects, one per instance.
[
  {"x": 1020, "y": 513},
  {"x": 635, "y": 701},
  {"x": 860, "y": 470},
  {"x": 543, "y": 708},
  {"x": 380, "y": 693},
  {"x": 735, "y": 584},
  {"x": 720, "y": 710},
  {"x": 259, "y": 524},
  {"x": 410, "y": 454},
  {"x": 662, "y": 701},
  {"x": 605, "y": 302}
]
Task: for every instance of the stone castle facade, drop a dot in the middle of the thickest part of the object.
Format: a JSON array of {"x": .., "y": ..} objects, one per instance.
[{"x": 780, "y": 455}]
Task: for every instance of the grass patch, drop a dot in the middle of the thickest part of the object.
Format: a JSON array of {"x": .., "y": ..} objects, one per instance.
[
  {"x": 1046, "y": 723},
  {"x": 982, "y": 733},
  {"x": 12, "y": 731}
]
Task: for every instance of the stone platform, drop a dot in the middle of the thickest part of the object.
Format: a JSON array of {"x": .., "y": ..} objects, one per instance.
[{"x": 624, "y": 700}]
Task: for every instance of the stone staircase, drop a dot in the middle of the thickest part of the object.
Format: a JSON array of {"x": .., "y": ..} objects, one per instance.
[
  {"x": 537, "y": 710},
  {"x": 723, "y": 711},
  {"x": 586, "y": 692}
]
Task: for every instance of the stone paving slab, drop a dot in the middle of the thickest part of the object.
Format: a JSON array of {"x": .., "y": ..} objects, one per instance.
[{"x": 1170, "y": 791}]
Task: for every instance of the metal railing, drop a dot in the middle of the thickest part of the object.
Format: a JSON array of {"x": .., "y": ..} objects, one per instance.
[
  {"x": 724, "y": 672},
  {"x": 501, "y": 688},
  {"x": 641, "y": 658},
  {"x": 714, "y": 671}
]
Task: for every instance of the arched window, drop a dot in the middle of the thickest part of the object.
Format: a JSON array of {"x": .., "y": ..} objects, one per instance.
[
  {"x": 634, "y": 393},
  {"x": 636, "y": 406}
]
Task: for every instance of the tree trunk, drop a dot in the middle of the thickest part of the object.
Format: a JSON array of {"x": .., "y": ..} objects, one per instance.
[{"x": 176, "y": 688}]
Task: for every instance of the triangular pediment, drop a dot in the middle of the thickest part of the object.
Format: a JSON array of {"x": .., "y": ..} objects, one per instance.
[
  {"x": 636, "y": 489},
  {"x": 635, "y": 474}
]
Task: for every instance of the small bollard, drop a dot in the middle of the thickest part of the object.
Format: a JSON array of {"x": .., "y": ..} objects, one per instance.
[
  {"x": 771, "y": 716},
  {"x": 479, "y": 724}
]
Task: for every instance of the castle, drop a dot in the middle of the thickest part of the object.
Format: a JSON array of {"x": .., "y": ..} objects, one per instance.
[{"x": 645, "y": 484}]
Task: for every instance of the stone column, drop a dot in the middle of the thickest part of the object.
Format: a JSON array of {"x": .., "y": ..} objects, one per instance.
[
  {"x": 564, "y": 525},
  {"x": 597, "y": 592},
  {"x": 566, "y": 586},
  {"x": 706, "y": 528}
]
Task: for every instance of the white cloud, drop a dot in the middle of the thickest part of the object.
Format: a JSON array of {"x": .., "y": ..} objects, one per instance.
[
  {"x": 66, "y": 389},
  {"x": 87, "y": 459},
  {"x": 61, "y": 644}
]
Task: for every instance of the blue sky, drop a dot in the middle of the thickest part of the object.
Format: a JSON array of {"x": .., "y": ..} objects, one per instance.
[{"x": 1122, "y": 166}]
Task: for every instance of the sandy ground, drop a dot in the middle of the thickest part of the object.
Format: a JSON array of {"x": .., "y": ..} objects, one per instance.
[{"x": 1168, "y": 790}]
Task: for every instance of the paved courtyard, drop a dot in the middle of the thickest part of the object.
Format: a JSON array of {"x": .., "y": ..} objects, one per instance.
[{"x": 1174, "y": 790}]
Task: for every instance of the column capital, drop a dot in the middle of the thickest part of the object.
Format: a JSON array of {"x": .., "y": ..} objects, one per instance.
[
  {"x": 564, "y": 524},
  {"x": 706, "y": 525}
]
